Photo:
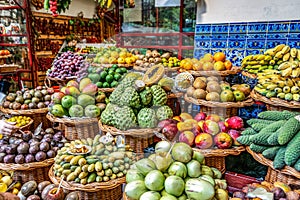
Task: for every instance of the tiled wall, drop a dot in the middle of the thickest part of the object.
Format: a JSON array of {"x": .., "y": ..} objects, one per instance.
[{"x": 241, "y": 39}]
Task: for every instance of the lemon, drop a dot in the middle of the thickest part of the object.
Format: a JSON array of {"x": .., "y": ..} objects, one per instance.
[{"x": 3, "y": 187}]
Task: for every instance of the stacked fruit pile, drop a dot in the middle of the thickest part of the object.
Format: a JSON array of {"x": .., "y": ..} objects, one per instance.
[
  {"x": 181, "y": 174},
  {"x": 132, "y": 104},
  {"x": 7, "y": 184},
  {"x": 276, "y": 134},
  {"x": 78, "y": 100},
  {"x": 28, "y": 147},
  {"x": 114, "y": 55},
  {"x": 66, "y": 65},
  {"x": 208, "y": 62},
  {"x": 39, "y": 97},
  {"x": 20, "y": 120},
  {"x": 92, "y": 160},
  {"x": 277, "y": 190},
  {"x": 4, "y": 53},
  {"x": 32, "y": 190},
  {"x": 211, "y": 89}
]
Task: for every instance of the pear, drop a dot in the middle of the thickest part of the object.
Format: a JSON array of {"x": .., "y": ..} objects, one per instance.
[{"x": 227, "y": 96}]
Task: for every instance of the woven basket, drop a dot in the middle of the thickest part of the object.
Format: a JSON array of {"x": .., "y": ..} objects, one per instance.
[
  {"x": 247, "y": 74},
  {"x": 110, "y": 65},
  {"x": 109, "y": 90},
  {"x": 111, "y": 190},
  {"x": 138, "y": 139},
  {"x": 223, "y": 109},
  {"x": 37, "y": 115},
  {"x": 216, "y": 157},
  {"x": 78, "y": 128},
  {"x": 27, "y": 127},
  {"x": 49, "y": 81},
  {"x": 287, "y": 175},
  {"x": 276, "y": 103},
  {"x": 144, "y": 69},
  {"x": 37, "y": 171},
  {"x": 233, "y": 70}
]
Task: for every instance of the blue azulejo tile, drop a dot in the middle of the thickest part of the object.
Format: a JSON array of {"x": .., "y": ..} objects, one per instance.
[
  {"x": 236, "y": 44},
  {"x": 218, "y": 36},
  {"x": 257, "y": 27},
  {"x": 238, "y": 28},
  {"x": 203, "y": 36},
  {"x": 295, "y": 26},
  {"x": 199, "y": 43},
  {"x": 294, "y": 43},
  {"x": 219, "y": 28},
  {"x": 240, "y": 36},
  {"x": 278, "y": 27},
  {"x": 256, "y": 44},
  {"x": 218, "y": 43},
  {"x": 213, "y": 51},
  {"x": 273, "y": 43},
  {"x": 257, "y": 36},
  {"x": 254, "y": 51},
  {"x": 203, "y": 28},
  {"x": 294, "y": 36},
  {"x": 276, "y": 36},
  {"x": 198, "y": 53},
  {"x": 235, "y": 56}
]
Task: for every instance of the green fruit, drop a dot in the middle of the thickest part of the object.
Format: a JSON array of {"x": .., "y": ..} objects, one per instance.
[
  {"x": 103, "y": 74},
  {"x": 114, "y": 84},
  {"x": 109, "y": 78},
  {"x": 111, "y": 72},
  {"x": 114, "y": 66},
  {"x": 119, "y": 71},
  {"x": 99, "y": 84},
  {"x": 106, "y": 85},
  {"x": 90, "y": 69},
  {"x": 94, "y": 77},
  {"x": 76, "y": 111},
  {"x": 123, "y": 70},
  {"x": 85, "y": 100},
  {"x": 92, "y": 111},
  {"x": 67, "y": 101},
  {"x": 57, "y": 110},
  {"x": 117, "y": 76}
]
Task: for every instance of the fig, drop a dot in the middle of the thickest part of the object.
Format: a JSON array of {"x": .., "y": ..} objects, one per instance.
[
  {"x": 26, "y": 136},
  {"x": 18, "y": 141},
  {"x": 29, "y": 158},
  {"x": 34, "y": 141},
  {"x": 19, "y": 159},
  {"x": 33, "y": 197},
  {"x": 47, "y": 140},
  {"x": 2, "y": 155},
  {"x": 57, "y": 137},
  {"x": 49, "y": 131},
  {"x": 23, "y": 148},
  {"x": 42, "y": 185},
  {"x": 9, "y": 159},
  {"x": 3, "y": 148},
  {"x": 48, "y": 135},
  {"x": 11, "y": 149},
  {"x": 44, "y": 146},
  {"x": 278, "y": 193},
  {"x": 12, "y": 140},
  {"x": 28, "y": 188},
  {"x": 46, "y": 190},
  {"x": 55, "y": 194},
  {"x": 51, "y": 153},
  {"x": 40, "y": 156},
  {"x": 33, "y": 149}
]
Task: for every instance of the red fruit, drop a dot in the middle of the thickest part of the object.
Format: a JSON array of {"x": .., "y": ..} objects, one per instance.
[
  {"x": 200, "y": 116},
  {"x": 211, "y": 127},
  {"x": 56, "y": 97},
  {"x": 196, "y": 131},
  {"x": 204, "y": 141},
  {"x": 170, "y": 131},
  {"x": 223, "y": 140},
  {"x": 234, "y": 134},
  {"x": 187, "y": 137},
  {"x": 223, "y": 126},
  {"x": 166, "y": 122},
  {"x": 213, "y": 117},
  {"x": 50, "y": 90},
  {"x": 235, "y": 122}
]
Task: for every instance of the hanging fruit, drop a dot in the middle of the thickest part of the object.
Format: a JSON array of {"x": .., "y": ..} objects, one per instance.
[{"x": 56, "y": 6}]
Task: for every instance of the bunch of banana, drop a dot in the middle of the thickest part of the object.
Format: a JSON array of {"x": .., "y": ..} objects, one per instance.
[
  {"x": 290, "y": 69},
  {"x": 256, "y": 63},
  {"x": 105, "y": 3}
]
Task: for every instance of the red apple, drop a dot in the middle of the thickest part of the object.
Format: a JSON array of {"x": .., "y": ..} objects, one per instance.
[
  {"x": 170, "y": 131},
  {"x": 200, "y": 116},
  {"x": 223, "y": 126},
  {"x": 204, "y": 141},
  {"x": 213, "y": 117},
  {"x": 166, "y": 122},
  {"x": 211, "y": 127},
  {"x": 223, "y": 140},
  {"x": 187, "y": 137},
  {"x": 234, "y": 134},
  {"x": 235, "y": 122},
  {"x": 56, "y": 97}
]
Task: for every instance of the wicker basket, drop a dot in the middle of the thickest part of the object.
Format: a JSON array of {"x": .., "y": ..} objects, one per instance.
[
  {"x": 144, "y": 69},
  {"x": 110, "y": 65},
  {"x": 108, "y": 90},
  {"x": 233, "y": 70},
  {"x": 37, "y": 115},
  {"x": 223, "y": 109},
  {"x": 247, "y": 74},
  {"x": 77, "y": 128},
  {"x": 49, "y": 81},
  {"x": 138, "y": 139},
  {"x": 276, "y": 103},
  {"x": 27, "y": 127},
  {"x": 287, "y": 175},
  {"x": 37, "y": 171},
  {"x": 216, "y": 157},
  {"x": 111, "y": 190}
]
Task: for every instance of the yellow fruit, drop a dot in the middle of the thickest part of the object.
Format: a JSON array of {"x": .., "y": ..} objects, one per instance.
[{"x": 3, "y": 187}]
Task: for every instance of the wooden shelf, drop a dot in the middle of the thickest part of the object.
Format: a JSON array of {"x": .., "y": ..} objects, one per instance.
[
  {"x": 13, "y": 45},
  {"x": 10, "y": 7},
  {"x": 13, "y": 35}
]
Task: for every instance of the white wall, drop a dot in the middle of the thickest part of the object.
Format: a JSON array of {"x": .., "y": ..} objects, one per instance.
[
  {"x": 218, "y": 11},
  {"x": 86, "y": 6}
]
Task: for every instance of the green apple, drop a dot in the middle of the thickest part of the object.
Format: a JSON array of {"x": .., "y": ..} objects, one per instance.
[
  {"x": 239, "y": 95},
  {"x": 227, "y": 96}
]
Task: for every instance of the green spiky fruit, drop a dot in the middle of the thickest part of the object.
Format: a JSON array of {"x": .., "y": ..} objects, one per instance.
[
  {"x": 125, "y": 118},
  {"x": 107, "y": 116},
  {"x": 130, "y": 98},
  {"x": 116, "y": 94},
  {"x": 159, "y": 95},
  {"x": 164, "y": 112},
  {"x": 147, "y": 118},
  {"x": 146, "y": 96}
]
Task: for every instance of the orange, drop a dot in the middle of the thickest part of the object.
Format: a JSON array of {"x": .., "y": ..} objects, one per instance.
[
  {"x": 219, "y": 66},
  {"x": 207, "y": 66},
  {"x": 228, "y": 64},
  {"x": 219, "y": 56}
]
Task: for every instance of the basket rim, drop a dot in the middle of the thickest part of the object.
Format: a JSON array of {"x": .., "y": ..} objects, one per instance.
[
  {"x": 91, "y": 187},
  {"x": 106, "y": 89},
  {"x": 27, "y": 125},
  {"x": 167, "y": 69},
  {"x": 261, "y": 159},
  {"x": 109, "y": 65},
  {"x": 131, "y": 132},
  {"x": 250, "y": 75},
  {"x": 236, "y": 150},
  {"x": 247, "y": 102},
  {"x": 274, "y": 101},
  {"x": 27, "y": 166},
  {"x": 61, "y": 80},
  {"x": 24, "y": 112},
  {"x": 233, "y": 70},
  {"x": 71, "y": 121}
]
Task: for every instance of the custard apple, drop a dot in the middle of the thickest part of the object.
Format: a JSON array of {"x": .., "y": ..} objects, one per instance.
[
  {"x": 116, "y": 94},
  {"x": 164, "y": 112},
  {"x": 107, "y": 116},
  {"x": 127, "y": 82},
  {"x": 146, "y": 96},
  {"x": 125, "y": 118},
  {"x": 159, "y": 96},
  {"x": 147, "y": 118},
  {"x": 130, "y": 97}
]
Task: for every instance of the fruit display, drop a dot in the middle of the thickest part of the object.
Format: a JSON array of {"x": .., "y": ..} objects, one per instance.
[
  {"x": 7, "y": 184},
  {"x": 276, "y": 135},
  {"x": 208, "y": 62},
  {"x": 211, "y": 89},
  {"x": 66, "y": 65},
  {"x": 28, "y": 147},
  {"x": 98, "y": 159},
  {"x": 25, "y": 99},
  {"x": 114, "y": 55},
  {"x": 19, "y": 120},
  {"x": 183, "y": 81},
  {"x": 180, "y": 174},
  {"x": 104, "y": 77},
  {"x": 4, "y": 53},
  {"x": 78, "y": 100},
  {"x": 56, "y": 6},
  {"x": 282, "y": 58},
  {"x": 277, "y": 190},
  {"x": 32, "y": 190},
  {"x": 204, "y": 131},
  {"x": 134, "y": 105}
]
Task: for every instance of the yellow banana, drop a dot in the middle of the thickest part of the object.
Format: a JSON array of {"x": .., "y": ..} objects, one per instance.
[
  {"x": 293, "y": 52},
  {"x": 285, "y": 49},
  {"x": 272, "y": 62},
  {"x": 271, "y": 87},
  {"x": 295, "y": 89},
  {"x": 298, "y": 83},
  {"x": 286, "y": 56},
  {"x": 268, "y": 57},
  {"x": 281, "y": 95},
  {"x": 278, "y": 90},
  {"x": 294, "y": 64},
  {"x": 281, "y": 84},
  {"x": 255, "y": 56},
  {"x": 286, "y": 72},
  {"x": 260, "y": 57},
  {"x": 247, "y": 58},
  {"x": 109, "y": 2},
  {"x": 284, "y": 65},
  {"x": 295, "y": 73},
  {"x": 289, "y": 82},
  {"x": 291, "y": 59},
  {"x": 279, "y": 48},
  {"x": 286, "y": 89},
  {"x": 298, "y": 54},
  {"x": 278, "y": 55},
  {"x": 270, "y": 52}
]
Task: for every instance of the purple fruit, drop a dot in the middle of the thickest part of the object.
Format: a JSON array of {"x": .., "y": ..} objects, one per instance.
[
  {"x": 29, "y": 158},
  {"x": 40, "y": 156}
]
